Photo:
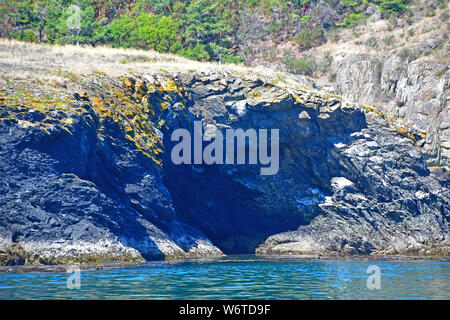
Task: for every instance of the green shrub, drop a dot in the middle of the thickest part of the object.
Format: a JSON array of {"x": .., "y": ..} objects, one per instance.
[
  {"x": 198, "y": 53},
  {"x": 229, "y": 58},
  {"x": 393, "y": 6},
  {"x": 407, "y": 54},
  {"x": 349, "y": 3},
  {"x": 392, "y": 22},
  {"x": 372, "y": 42},
  {"x": 308, "y": 38},
  {"x": 122, "y": 32},
  {"x": 305, "y": 18},
  {"x": 431, "y": 12},
  {"x": 27, "y": 35},
  {"x": 353, "y": 19},
  {"x": 305, "y": 65},
  {"x": 389, "y": 40},
  {"x": 441, "y": 72},
  {"x": 176, "y": 48}
]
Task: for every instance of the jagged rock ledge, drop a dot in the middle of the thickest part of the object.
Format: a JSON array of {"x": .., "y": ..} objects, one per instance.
[{"x": 89, "y": 179}]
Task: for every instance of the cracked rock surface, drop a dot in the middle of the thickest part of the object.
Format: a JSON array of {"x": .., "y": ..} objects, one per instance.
[{"x": 91, "y": 180}]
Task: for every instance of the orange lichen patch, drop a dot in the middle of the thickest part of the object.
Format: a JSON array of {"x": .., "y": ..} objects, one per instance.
[
  {"x": 267, "y": 85},
  {"x": 161, "y": 123},
  {"x": 407, "y": 134},
  {"x": 127, "y": 82},
  {"x": 145, "y": 150},
  {"x": 404, "y": 132},
  {"x": 435, "y": 168},
  {"x": 129, "y": 111},
  {"x": 297, "y": 98},
  {"x": 24, "y": 123},
  {"x": 88, "y": 120},
  {"x": 141, "y": 89},
  {"x": 373, "y": 110},
  {"x": 255, "y": 94},
  {"x": 401, "y": 130},
  {"x": 169, "y": 85},
  {"x": 98, "y": 102},
  {"x": 152, "y": 89},
  {"x": 135, "y": 105},
  {"x": 68, "y": 121},
  {"x": 66, "y": 129},
  {"x": 99, "y": 73},
  {"x": 422, "y": 134}
]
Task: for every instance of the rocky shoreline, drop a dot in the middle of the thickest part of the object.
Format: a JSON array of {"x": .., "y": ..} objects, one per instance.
[
  {"x": 213, "y": 259},
  {"x": 88, "y": 179}
]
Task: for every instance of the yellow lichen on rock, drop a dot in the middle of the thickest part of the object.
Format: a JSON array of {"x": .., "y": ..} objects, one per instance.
[
  {"x": 128, "y": 105},
  {"x": 435, "y": 168},
  {"x": 297, "y": 98},
  {"x": 170, "y": 85},
  {"x": 372, "y": 109},
  {"x": 98, "y": 102}
]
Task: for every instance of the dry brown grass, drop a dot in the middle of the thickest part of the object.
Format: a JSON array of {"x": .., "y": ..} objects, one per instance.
[
  {"x": 404, "y": 35},
  {"x": 61, "y": 66}
]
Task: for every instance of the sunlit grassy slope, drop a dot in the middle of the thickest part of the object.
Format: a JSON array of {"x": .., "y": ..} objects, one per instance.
[{"x": 62, "y": 66}]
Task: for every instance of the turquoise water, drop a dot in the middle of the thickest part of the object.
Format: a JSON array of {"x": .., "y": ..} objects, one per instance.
[{"x": 240, "y": 278}]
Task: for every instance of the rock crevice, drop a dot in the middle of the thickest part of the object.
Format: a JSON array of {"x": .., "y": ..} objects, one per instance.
[{"x": 91, "y": 179}]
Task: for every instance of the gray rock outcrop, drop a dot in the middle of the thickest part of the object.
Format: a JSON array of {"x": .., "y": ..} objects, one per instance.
[{"x": 93, "y": 181}]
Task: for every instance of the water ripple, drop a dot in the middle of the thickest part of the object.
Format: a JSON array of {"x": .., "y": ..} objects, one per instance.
[{"x": 240, "y": 279}]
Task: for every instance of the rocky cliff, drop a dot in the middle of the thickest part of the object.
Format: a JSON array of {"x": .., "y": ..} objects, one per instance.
[
  {"x": 412, "y": 95},
  {"x": 89, "y": 178},
  {"x": 399, "y": 67}
]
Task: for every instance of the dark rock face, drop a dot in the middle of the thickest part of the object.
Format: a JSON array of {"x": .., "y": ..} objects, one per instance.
[
  {"x": 235, "y": 206},
  {"x": 94, "y": 181},
  {"x": 84, "y": 192},
  {"x": 383, "y": 201}
]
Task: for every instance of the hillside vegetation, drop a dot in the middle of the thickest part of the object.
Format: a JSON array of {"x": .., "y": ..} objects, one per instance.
[
  {"x": 207, "y": 30},
  {"x": 391, "y": 54},
  {"x": 87, "y": 115}
]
